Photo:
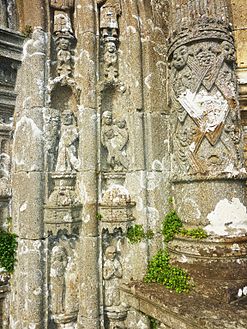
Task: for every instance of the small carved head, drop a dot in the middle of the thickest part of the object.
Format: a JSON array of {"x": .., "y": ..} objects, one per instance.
[
  {"x": 63, "y": 44},
  {"x": 228, "y": 51},
  {"x": 107, "y": 118},
  {"x": 110, "y": 253},
  {"x": 110, "y": 47},
  {"x": 67, "y": 118},
  {"x": 180, "y": 57},
  {"x": 121, "y": 123},
  {"x": 58, "y": 254}
]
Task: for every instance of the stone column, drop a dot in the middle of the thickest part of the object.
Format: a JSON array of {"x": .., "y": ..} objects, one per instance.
[
  {"x": 28, "y": 187},
  {"x": 206, "y": 139},
  {"x": 3, "y": 13},
  {"x": 85, "y": 75}
]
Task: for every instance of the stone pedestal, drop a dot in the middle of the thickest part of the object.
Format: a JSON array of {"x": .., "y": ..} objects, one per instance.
[{"x": 63, "y": 210}]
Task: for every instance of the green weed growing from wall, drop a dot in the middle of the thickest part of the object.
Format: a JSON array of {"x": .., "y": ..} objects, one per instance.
[
  {"x": 161, "y": 271},
  {"x": 195, "y": 233},
  {"x": 171, "y": 225},
  {"x": 27, "y": 31},
  {"x": 159, "y": 268},
  {"x": 153, "y": 323},
  {"x": 136, "y": 234},
  {"x": 8, "y": 245}
]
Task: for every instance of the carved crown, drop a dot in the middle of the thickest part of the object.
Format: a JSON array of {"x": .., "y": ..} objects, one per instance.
[{"x": 202, "y": 28}]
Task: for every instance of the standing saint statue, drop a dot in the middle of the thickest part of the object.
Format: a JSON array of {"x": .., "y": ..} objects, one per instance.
[
  {"x": 112, "y": 272},
  {"x": 57, "y": 277},
  {"x": 67, "y": 160}
]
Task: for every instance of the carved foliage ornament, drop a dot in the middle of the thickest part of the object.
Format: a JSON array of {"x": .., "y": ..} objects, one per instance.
[{"x": 203, "y": 95}]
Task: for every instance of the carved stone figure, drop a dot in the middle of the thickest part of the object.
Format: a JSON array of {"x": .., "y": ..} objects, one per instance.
[
  {"x": 114, "y": 137},
  {"x": 109, "y": 13},
  {"x": 180, "y": 57},
  {"x": 64, "y": 57},
  {"x": 57, "y": 279},
  {"x": 64, "y": 35},
  {"x": 121, "y": 140},
  {"x": 110, "y": 61},
  {"x": 36, "y": 45},
  {"x": 112, "y": 272},
  {"x": 107, "y": 133},
  {"x": 67, "y": 160}
]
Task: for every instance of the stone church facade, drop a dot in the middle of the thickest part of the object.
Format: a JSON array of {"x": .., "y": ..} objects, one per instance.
[{"x": 108, "y": 109}]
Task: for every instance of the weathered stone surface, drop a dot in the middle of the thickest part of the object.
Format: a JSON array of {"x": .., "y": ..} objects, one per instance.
[
  {"x": 87, "y": 119},
  {"x": 29, "y": 142},
  {"x": 88, "y": 278},
  {"x": 31, "y": 313},
  {"x": 28, "y": 206},
  {"x": 187, "y": 311}
]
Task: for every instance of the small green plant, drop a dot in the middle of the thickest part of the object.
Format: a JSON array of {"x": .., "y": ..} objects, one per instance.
[
  {"x": 161, "y": 271},
  {"x": 99, "y": 216},
  {"x": 195, "y": 233},
  {"x": 171, "y": 225},
  {"x": 136, "y": 234},
  {"x": 149, "y": 234},
  {"x": 153, "y": 323},
  {"x": 170, "y": 201},
  {"x": 27, "y": 31},
  {"x": 8, "y": 245},
  {"x": 159, "y": 268}
]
